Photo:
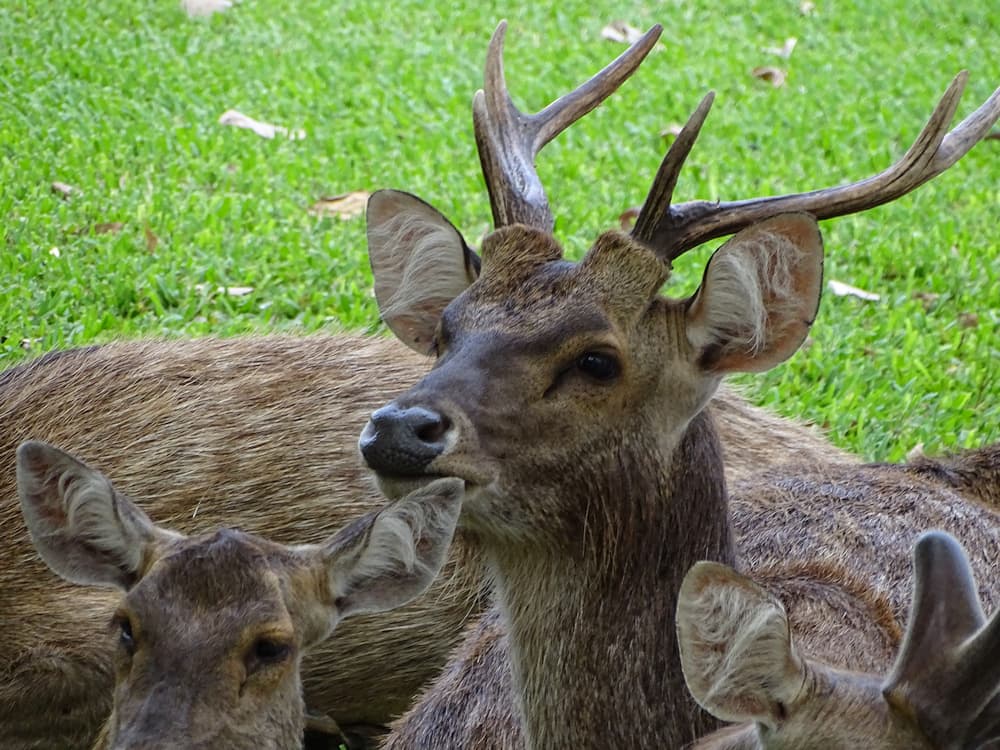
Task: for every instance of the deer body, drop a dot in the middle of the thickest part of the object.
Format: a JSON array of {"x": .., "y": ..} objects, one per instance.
[{"x": 259, "y": 433}]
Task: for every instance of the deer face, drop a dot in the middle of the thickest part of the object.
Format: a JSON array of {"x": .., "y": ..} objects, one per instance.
[
  {"x": 210, "y": 630},
  {"x": 551, "y": 374}
]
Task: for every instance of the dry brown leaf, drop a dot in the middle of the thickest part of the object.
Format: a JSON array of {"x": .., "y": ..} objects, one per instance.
[
  {"x": 63, "y": 190},
  {"x": 993, "y": 135},
  {"x": 108, "y": 227},
  {"x": 201, "y": 8},
  {"x": 774, "y": 76},
  {"x": 344, "y": 206},
  {"x": 785, "y": 51},
  {"x": 620, "y": 31},
  {"x": 151, "y": 239},
  {"x": 672, "y": 130},
  {"x": 626, "y": 220},
  {"x": 263, "y": 129},
  {"x": 807, "y": 7},
  {"x": 968, "y": 320},
  {"x": 927, "y": 299}
]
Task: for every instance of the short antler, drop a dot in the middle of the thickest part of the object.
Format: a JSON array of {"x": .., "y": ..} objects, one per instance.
[
  {"x": 509, "y": 140},
  {"x": 672, "y": 230}
]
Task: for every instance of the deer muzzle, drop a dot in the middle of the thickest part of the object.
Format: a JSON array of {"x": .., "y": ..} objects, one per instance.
[{"x": 401, "y": 442}]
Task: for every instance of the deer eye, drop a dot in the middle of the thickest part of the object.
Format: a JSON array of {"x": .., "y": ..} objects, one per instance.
[
  {"x": 599, "y": 366},
  {"x": 125, "y": 637},
  {"x": 267, "y": 652}
]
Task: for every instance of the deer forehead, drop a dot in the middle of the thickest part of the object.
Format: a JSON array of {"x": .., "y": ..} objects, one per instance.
[
  {"x": 525, "y": 281},
  {"x": 214, "y": 582}
]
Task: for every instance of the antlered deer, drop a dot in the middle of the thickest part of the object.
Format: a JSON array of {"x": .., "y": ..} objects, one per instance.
[
  {"x": 210, "y": 630},
  {"x": 741, "y": 664},
  {"x": 570, "y": 398}
]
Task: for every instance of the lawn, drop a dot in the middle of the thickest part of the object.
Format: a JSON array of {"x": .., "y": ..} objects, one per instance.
[{"x": 121, "y": 102}]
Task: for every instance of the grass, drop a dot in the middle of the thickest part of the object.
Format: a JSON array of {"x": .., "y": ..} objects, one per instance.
[{"x": 121, "y": 101}]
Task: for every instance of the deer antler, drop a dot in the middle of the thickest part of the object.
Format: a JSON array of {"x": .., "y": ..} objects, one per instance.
[
  {"x": 672, "y": 230},
  {"x": 509, "y": 140}
]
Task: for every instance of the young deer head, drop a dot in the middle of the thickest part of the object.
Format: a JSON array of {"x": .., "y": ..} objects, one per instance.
[
  {"x": 211, "y": 628},
  {"x": 569, "y": 396},
  {"x": 741, "y": 665}
]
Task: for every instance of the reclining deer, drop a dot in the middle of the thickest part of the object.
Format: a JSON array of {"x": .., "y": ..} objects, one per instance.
[
  {"x": 942, "y": 693},
  {"x": 262, "y": 432},
  {"x": 211, "y": 629},
  {"x": 570, "y": 399}
]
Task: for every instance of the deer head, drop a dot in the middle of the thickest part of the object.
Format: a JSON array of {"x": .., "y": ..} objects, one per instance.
[
  {"x": 550, "y": 373},
  {"x": 741, "y": 665},
  {"x": 211, "y": 629}
]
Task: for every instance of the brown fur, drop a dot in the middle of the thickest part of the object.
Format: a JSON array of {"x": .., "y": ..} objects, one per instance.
[{"x": 259, "y": 432}]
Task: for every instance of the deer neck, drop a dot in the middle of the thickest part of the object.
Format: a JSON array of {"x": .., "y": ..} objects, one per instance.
[{"x": 592, "y": 636}]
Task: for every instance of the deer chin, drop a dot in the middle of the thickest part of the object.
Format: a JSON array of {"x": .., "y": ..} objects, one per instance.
[{"x": 477, "y": 475}]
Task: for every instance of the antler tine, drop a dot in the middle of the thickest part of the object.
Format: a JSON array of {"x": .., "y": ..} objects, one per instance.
[
  {"x": 509, "y": 140},
  {"x": 676, "y": 229},
  {"x": 657, "y": 203}
]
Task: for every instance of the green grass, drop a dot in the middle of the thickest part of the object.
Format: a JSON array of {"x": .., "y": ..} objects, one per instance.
[{"x": 121, "y": 100}]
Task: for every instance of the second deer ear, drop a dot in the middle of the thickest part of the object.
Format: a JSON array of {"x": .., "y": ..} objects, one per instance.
[
  {"x": 759, "y": 296},
  {"x": 85, "y": 530},
  {"x": 736, "y": 651},
  {"x": 420, "y": 263},
  {"x": 385, "y": 559}
]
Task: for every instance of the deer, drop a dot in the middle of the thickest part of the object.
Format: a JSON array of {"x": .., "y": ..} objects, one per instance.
[
  {"x": 210, "y": 630},
  {"x": 571, "y": 399},
  {"x": 257, "y": 432},
  {"x": 741, "y": 664}
]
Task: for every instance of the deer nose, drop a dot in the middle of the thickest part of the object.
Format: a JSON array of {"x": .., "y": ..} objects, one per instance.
[{"x": 402, "y": 441}]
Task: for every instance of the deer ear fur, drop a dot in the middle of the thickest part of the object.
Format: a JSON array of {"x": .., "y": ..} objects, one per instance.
[
  {"x": 759, "y": 296},
  {"x": 420, "y": 263}
]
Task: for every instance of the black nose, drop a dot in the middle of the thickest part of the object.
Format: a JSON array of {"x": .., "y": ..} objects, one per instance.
[{"x": 401, "y": 442}]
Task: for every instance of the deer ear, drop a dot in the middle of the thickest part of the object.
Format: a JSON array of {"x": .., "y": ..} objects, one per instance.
[
  {"x": 735, "y": 646},
  {"x": 420, "y": 263},
  {"x": 85, "y": 530},
  {"x": 945, "y": 671},
  {"x": 386, "y": 558},
  {"x": 759, "y": 296}
]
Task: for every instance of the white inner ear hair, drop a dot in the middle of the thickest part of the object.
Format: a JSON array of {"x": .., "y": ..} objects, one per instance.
[{"x": 751, "y": 290}]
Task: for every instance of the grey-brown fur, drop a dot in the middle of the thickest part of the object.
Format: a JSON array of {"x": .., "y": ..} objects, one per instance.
[{"x": 258, "y": 432}]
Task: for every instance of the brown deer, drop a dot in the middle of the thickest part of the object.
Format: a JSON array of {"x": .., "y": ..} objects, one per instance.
[
  {"x": 261, "y": 433},
  {"x": 942, "y": 693},
  {"x": 571, "y": 399},
  {"x": 210, "y": 630}
]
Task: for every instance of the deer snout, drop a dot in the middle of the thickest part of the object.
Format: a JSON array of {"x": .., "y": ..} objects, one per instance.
[{"x": 403, "y": 441}]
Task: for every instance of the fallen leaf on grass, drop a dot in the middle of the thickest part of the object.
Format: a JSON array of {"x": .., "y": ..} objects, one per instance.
[
  {"x": 916, "y": 452},
  {"x": 151, "y": 239},
  {"x": 840, "y": 289},
  {"x": 807, "y": 7},
  {"x": 201, "y": 8},
  {"x": 108, "y": 227},
  {"x": 263, "y": 129},
  {"x": 232, "y": 291},
  {"x": 784, "y": 52},
  {"x": 63, "y": 190},
  {"x": 28, "y": 343},
  {"x": 54, "y": 252},
  {"x": 774, "y": 76},
  {"x": 344, "y": 206},
  {"x": 619, "y": 31},
  {"x": 968, "y": 320},
  {"x": 927, "y": 299},
  {"x": 672, "y": 130},
  {"x": 626, "y": 219},
  {"x": 993, "y": 136}
]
